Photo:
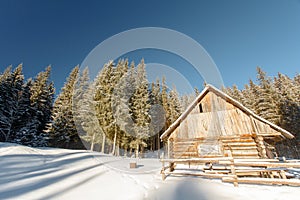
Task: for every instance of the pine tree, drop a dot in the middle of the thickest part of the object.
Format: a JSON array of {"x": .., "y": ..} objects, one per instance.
[
  {"x": 185, "y": 102},
  {"x": 237, "y": 94},
  {"x": 27, "y": 122},
  {"x": 5, "y": 101},
  {"x": 254, "y": 92},
  {"x": 103, "y": 92},
  {"x": 157, "y": 116},
  {"x": 117, "y": 105},
  {"x": 10, "y": 92},
  {"x": 7, "y": 72},
  {"x": 84, "y": 111},
  {"x": 289, "y": 108},
  {"x": 165, "y": 102},
  {"x": 122, "y": 106},
  {"x": 266, "y": 100},
  {"x": 248, "y": 97},
  {"x": 276, "y": 101},
  {"x": 23, "y": 118},
  {"x": 140, "y": 109},
  {"x": 174, "y": 104},
  {"x": 63, "y": 131},
  {"x": 41, "y": 100}
]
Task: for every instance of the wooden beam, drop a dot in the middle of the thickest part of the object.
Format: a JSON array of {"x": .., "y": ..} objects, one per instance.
[
  {"x": 199, "y": 174},
  {"x": 199, "y": 160},
  {"x": 266, "y": 164},
  {"x": 293, "y": 182}
]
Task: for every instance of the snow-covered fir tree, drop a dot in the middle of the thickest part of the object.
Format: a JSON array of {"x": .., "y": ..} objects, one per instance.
[
  {"x": 84, "y": 111},
  {"x": 175, "y": 105},
  {"x": 63, "y": 132},
  {"x": 102, "y": 98},
  {"x": 10, "y": 94},
  {"x": 165, "y": 102},
  {"x": 41, "y": 100},
  {"x": 157, "y": 115},
  {"x": 267, "y": 99},
  {"x": 140, "y": 109},
  {"x": 276, "y": 100},
  {"x": 24, "y": 117},
  {"x": 119, "y": 104}
]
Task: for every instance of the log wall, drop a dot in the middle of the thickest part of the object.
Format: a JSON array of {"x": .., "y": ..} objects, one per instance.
[{"x": 220, "y": 126}]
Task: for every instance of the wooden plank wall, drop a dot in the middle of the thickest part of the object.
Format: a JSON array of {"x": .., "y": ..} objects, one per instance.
[
  {"x": 240, "y": 147},
  {"x": 223, "y": 122}
]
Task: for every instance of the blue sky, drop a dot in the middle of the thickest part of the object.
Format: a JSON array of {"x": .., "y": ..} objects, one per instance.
[{"x": 239, "y": 35}]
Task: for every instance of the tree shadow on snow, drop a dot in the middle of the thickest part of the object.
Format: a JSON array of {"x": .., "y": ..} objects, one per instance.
[{"x": 23, "y": 169}]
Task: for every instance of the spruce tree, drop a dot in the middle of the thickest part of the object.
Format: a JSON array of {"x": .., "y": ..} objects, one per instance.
[
  {"x": 23, "y": 117},
  {"x": 165, "y": 102},
  {"x": 248, "y": 97},
  {"x": 289, "y": 108},
  {"x": 5, "y": 100},
  {"x": 117, "y": 105},
  {"x": 63, "y": 131},
  {"x": 10, "y": 93},
  {"x": 27, "y": 122},
  {"x": 41, "y": 100},
  {"x": 266, "y": 101},
  {"x": 174, "y": 104},
  {"x": 84, "y": 111},
  {"x": 255, "y": 92},
  {"x": 237, "y": 94},
  {"x": 102, "y": 98},
  {"x": 25, "y": 113},
  {"x": 7, "y": 72},
  {"x": 122, "y": 106},
  {"x": 157, "y": 115},
  {"x": 140, "y": 109}
]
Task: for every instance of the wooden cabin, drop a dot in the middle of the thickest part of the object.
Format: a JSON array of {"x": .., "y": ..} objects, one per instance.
[{"x": 214, "y": 124}]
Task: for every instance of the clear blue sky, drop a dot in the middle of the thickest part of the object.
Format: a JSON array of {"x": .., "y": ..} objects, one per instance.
[{"x": 238, "y": 34}]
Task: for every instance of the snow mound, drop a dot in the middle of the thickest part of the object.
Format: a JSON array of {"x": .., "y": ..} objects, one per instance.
[{"x": 11, "y": 148}]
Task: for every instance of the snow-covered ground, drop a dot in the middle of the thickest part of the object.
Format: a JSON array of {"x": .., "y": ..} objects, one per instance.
[{"x": 31, "y": 173}]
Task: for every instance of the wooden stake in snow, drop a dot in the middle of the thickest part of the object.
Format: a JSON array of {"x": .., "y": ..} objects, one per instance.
[{"x": 133, "y": 163}]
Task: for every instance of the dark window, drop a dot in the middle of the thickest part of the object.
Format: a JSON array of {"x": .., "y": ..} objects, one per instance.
[{"x": 200, "y": 108}]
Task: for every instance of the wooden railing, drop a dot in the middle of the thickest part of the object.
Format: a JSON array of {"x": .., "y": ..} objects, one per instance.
[{"x": 229, "y": 169}]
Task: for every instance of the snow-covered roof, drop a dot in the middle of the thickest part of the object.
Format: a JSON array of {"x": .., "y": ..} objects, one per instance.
[{"x": 210, "y": 88}]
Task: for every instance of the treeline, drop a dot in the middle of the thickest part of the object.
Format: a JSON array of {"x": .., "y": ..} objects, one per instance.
[
  {"x": 276, "y": 99},
  {"x": 120, "y": 112},
  {"x": 25, "y": 107},
  {"x": 117, "y": 110}
]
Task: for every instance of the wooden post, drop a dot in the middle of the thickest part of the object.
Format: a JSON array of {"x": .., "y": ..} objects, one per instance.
[
  {"x": 172, "y": 166},
  {"x": 163, "y": 175},
  {"x": 282, "y": 174},
  {"x": 158, "y": 145},
  {"x": 232, "y": 169}
]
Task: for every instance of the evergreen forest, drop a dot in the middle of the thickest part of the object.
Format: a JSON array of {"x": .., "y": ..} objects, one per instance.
[{"x": 120, "y": 112}]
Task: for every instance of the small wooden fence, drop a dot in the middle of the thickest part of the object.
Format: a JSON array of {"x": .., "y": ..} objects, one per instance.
[{"x": 229, "y": 169}]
